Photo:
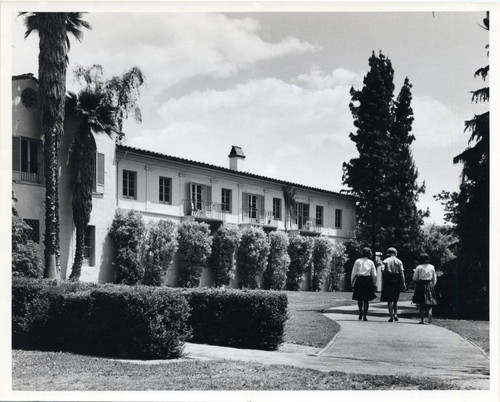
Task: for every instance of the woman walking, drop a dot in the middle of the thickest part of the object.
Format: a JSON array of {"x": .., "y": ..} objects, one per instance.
[
  {"x": 393, "y": 282},
  {"x": 363, "y": 280},
  {"x": 424, "y": 295}
]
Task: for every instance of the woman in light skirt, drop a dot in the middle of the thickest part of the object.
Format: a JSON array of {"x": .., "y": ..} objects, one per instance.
[
  {"x": 424, "y": 296},
  {"x": 363, "y": 281}
]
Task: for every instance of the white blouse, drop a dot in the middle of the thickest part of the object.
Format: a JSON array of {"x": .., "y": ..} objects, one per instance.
[
  {"x": 425, "y": 272},
  {"x": 364, "y": 267}
]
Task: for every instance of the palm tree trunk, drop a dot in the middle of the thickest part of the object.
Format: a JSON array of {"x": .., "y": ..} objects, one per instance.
[
  {"x": 52, "y": 87},
  {"x": 76, "y": 270}
]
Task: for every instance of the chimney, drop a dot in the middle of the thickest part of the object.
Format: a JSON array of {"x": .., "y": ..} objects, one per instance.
[{"x": 236, "y": 157}]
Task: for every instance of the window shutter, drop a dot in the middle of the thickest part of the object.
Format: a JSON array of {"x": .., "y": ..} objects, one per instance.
[
  {"x": 16, "y": 154},
  {"x": 262, "y": 212},
  {"x": 245, "y": 203},
  {"x": 208, "y": 193},
  {"x": 100, "y": 169}
]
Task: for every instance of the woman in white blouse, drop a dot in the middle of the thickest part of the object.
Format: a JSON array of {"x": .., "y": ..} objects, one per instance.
[
  {"x": 363, "y": 281},
  {"x": 425, "y": 277}
]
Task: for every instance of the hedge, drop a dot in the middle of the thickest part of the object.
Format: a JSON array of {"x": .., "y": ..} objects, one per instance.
[
  {"x": 116, "y": 321},
  {"x": 253, "y": 319}
]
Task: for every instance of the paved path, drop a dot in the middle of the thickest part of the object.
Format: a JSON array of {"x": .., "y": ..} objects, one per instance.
[{"x": 376, "y": 347}]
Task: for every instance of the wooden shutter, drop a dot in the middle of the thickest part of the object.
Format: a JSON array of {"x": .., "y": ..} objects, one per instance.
[
  {"x": 16, "y": 154},
  {"x": 244, "y": 204},
  {"x": 262, "y": 212},
  {"x": 100, "y": 169}
]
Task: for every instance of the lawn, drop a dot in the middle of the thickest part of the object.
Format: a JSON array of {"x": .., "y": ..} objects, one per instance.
[{"x": 44, "y": 371}]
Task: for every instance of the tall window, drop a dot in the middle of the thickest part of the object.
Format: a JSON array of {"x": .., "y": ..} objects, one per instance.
[
  {"x": 319, "y": 215},
  {"x": 89, "y": 248},
  {"x": 338, "y": 219},
  {"x": 301, "y": 214},
  {"x": 252, "y": 206},
  {"x": 165, "y": 185},
  {"x": 226, "y": 200},
  {"x": 277, "y": 208},
  {"x": 129, "y": 184},
  {"x": 98, "y": 185},
  {"x": 26, "y": 158},
  {"x": 197, "y": 196}
]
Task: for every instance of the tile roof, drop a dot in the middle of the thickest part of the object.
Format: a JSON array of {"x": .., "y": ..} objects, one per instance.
[
  {"x": 26, "y": 76},
  {"x": 125, "y": 148}
]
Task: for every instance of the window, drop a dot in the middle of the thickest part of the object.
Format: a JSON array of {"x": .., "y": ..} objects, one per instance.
[
  {"x": 319, "y": 215},
  {"x": 129, "y": 184},
  {"x": 201, "y": 197},
  {"x": 89, "y": 247},
  {"x": 226, "y": 200},
  {"x": 165, "y": 185},
  {"x": 34, "y": 233},
  {"x": 26, "y": 157},
  {"x": 277, "y": 208},
  {"x": 252, "y": 206},
  {"x": 197, "y": 196},
  {"x": 338, "y": 219},
  {"x": 99, "y": 174},
  {"x": 301, "y": 214}
]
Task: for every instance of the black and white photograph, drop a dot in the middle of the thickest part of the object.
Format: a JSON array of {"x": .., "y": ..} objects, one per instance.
[{"x": 248, "y": 197}]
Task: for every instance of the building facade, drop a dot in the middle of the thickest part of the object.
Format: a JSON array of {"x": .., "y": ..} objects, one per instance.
[{"x": 160, "y": 187}]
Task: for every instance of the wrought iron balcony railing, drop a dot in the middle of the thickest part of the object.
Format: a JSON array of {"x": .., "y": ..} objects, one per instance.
[{"x": 204, "y": 209}]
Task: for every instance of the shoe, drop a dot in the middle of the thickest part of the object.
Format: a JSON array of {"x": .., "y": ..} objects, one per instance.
[
  {"x": 430, "y": 319},
  {"x": 365, "y": 319},
  {"x": 390, "y": 319},
  {"x": 360, "y": 317},
  {"x": 396, "y": 318},
  {"x": 421, "y": 322}
]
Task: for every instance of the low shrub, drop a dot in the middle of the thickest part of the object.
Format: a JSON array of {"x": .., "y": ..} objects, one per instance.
[
  {"x": 238, "y": 318},
  {"x": 277, "y": 263},
  {"x": 116, "y": 321}
]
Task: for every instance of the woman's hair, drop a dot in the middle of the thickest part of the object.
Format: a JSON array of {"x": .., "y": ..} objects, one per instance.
[
  {"x": 424, "y": 258},
  {"x": 367, "y": 252}
]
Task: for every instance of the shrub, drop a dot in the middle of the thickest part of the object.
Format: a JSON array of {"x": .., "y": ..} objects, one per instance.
[
  {"x": 158, "y": 251},
  {"x": 322, "y": 260},
  {"x": 225, "y": 243},
  {"x": 116, "y": 321},
  {"x": 195, "y": 245},
  {"x": 251, "y": 257},
  {"x": 300, "y": 251},
  {"x": 243, "y": 319},
  {"x": 337, "y": 267},
  {"x": 278, "y": 261},
  {"x": 25, "y": 258},
  {"x": 127, "y": 233}
]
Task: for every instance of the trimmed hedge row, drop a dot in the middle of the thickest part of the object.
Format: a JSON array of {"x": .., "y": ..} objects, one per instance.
[
  {"x": 253, "y": 319},
  {"x": 119, "y": 321},
  {"x": 141, "y": 322}
]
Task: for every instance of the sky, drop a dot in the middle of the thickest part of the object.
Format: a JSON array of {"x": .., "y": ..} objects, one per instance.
[{"x": 277, "y": 84}]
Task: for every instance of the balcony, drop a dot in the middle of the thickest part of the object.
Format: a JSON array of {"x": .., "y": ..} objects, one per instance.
[
  {"x": 31, "y": 172},
  {"x": 204, "y": 210},
  {"x": 258, "y": 217},
  {"x": 306, "y": 226}
]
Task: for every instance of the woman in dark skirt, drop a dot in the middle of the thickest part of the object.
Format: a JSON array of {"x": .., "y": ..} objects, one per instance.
[
  {"x": 393, "y": 282},
  {"x": 424, "y": 295},
  {"x": 363, "y": 281}
]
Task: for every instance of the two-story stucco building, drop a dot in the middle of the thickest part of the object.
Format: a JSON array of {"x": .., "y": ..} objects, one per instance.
[{"x": 160, "y": 187}]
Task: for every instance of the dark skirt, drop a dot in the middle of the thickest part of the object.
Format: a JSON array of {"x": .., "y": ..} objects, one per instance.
[
  {"x": 424, "y": 294},
  {"x": 363, "y": 289},
  {"x": 391, "y": 287}
]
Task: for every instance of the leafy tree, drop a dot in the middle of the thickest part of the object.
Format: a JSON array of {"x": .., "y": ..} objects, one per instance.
[
  {"x": 53, "y": 30},
  {"x": 322, "y": 259},
  {"x": 384, "y": 174},
  {"x": 225, "y": 243},
  {"x": 127, "y": 233},
  {"x": 159, "y": 248},
  {"x": 439, "y": 244},
  {"x": 25, "y": 258},
  {"x": 251, "y": 256},
  {"x": 278, "y": 261},
  {"x": 99, "y": 108},
  {"x": 195, "y": 246},
  {"x": 300, "y": 251}
]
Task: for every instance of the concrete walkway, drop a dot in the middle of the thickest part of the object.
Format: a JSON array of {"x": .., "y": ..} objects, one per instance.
[{"x": 375, "y": 347}]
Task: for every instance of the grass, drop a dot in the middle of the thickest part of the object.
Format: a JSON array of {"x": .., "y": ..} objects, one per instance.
[
  {"x": 51, "y": 371},
  {"x": 477, "y": 332}
]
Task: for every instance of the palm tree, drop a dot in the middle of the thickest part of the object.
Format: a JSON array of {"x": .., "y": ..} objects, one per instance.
[
  {"x": 53, "y": 30},
  {"x": 94, "y": 115}
]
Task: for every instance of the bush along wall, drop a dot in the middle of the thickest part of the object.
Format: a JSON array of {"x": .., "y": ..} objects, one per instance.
[
  {"x": 253, "y": 319},
  {"x": 338, "y": 276},
  {"x": 195, "y": 246},
  {"x": 251, "y": 257},
  {"x": 300, "y": 250},
  {"x": 278, "y": 261},
  {"x": 225, "y": 243},
  {"x": 117, "y": 321},
  {"x": 158, "y": 251},
  {"x": 127, "y": 233},
  {"x": 322, "y": 260}
]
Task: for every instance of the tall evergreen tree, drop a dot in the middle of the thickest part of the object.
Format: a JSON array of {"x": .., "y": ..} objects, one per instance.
[{"x": 384, "y": 175}]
